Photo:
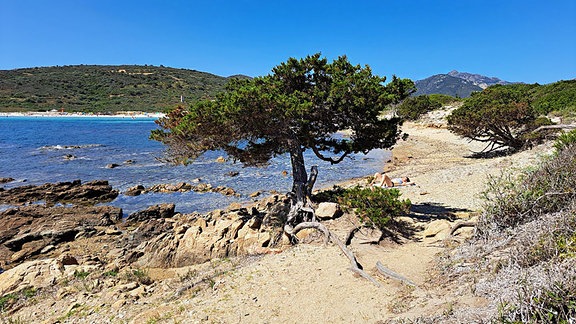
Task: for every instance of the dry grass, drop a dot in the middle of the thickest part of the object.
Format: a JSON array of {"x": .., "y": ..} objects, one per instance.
[{"x": 523, "y": 256}]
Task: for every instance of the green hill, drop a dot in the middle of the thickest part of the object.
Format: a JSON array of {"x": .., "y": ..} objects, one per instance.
[{"x": 101, "y": 88}]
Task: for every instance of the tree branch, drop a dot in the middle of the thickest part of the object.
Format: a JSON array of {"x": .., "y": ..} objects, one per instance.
[
  {"x": 328, "y": 159},
  {"x": 564, "y": 126}
]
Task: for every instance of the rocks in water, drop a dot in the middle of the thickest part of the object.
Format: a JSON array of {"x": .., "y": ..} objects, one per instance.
[
  {"x": 112, "y": 165},
  {"x": 221, "y": 159},
  {"x": 69, "y": 157},
  {"x": 233, "y": 173},
  {"x": 328, "y": 210},
  {"x": 180, "y": 187},
  {"x": 153, "y": 212},
  {"x": 6, "y": 180},
  {"x": 135, "y": 190},
  {"x": 89, "y": 193},
  {"x": 255, "y": 194}
]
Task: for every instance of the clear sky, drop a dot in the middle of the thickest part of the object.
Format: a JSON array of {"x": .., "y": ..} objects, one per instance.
[{"x": 515, "y": 40}]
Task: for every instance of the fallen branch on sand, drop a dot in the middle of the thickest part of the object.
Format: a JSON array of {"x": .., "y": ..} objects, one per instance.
[
  {"x": 391, "y": 274},
  {"x": 354, "y": 265}
]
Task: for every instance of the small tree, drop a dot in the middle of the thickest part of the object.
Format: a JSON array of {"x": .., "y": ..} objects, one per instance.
[
  {"x": 300, "y": 106},
  {"x": 501, "y": 116}
]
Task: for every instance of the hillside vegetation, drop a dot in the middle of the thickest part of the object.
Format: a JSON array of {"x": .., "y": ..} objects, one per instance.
[{"x": 101, "y": 88}]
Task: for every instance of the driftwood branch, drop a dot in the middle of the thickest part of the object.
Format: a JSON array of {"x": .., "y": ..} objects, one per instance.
[
  {"x": 564, "y": 126},
  {"x": 391, "y": 274}
]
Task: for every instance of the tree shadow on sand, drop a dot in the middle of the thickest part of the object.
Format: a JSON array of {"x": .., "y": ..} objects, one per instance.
[
  {"x": 433, "y": 211},
  {"x": 491, "y": 154}
]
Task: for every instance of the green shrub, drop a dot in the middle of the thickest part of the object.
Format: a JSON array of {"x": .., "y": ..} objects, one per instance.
[
  {"x": 139, "y": 275},
  {"x": 565, "y": 140},
  {"x": 6, "y": 300},
  {"x": 499, "y": 115},
  {"x": 444, "y": 99},
  {"x": 412, "y": 108},
  {"x": 375, "y": 206},
  {"x": 81, "y": 274},
  {"x": 110, "y": 273}
]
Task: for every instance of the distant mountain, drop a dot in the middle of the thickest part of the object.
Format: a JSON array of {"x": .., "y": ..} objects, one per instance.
[
  {"x": 105, "y": 88},
  {"x": 477, "y": 79},
  {"x": 455, "y": 84}
]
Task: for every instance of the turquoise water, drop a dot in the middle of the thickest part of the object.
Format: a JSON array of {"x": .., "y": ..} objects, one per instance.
[{"x": 36, "y": 150}]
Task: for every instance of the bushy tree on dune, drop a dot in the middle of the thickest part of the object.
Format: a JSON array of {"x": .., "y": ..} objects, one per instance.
[
  {"x": 299, "y": 106},
  {"x": 501, "y": 116}
]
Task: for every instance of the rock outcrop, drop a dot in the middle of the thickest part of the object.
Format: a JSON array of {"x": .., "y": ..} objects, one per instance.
[
  {"x": 29, "y": 230},
  {"x": 196, "y": 238},
  {"x": 89, "y": 193}
]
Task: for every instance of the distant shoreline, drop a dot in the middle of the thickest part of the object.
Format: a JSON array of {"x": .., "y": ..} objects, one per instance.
[{"x": 52, "y": 114}]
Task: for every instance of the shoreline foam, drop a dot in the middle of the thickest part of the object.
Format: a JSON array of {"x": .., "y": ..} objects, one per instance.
[{"x": 52, "y": 114}]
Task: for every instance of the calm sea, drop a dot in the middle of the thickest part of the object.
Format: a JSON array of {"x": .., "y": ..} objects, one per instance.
[{"x": 37, "y": 150}]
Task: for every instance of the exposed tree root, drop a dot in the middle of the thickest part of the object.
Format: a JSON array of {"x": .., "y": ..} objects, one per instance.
[
  {"x": 354, "y": 265},
  {"x": 391, "y": 274},
  {"x": 461, "y": 224}
]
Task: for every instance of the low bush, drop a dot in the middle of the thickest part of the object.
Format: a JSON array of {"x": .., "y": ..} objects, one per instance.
[
  {"x": 543, "y": 294},
  {"x": 513, "y": 200},
  {"x": 565, "y": 140},
  {"x": 375, "y": 206}
]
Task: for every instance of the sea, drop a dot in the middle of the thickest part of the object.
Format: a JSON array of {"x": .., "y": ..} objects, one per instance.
[{"x": 36, "y": 150}]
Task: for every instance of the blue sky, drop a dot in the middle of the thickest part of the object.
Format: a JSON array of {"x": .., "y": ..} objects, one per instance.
[{"x": 527, "y": 41}]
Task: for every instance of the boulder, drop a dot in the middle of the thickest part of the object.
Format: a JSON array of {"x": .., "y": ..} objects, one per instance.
[
  {"x": 328, "y": 210},
  {"x": 193, "y": 240},
  {"x": 438, "y": 228},
  {"x": 135, "y": 190}
]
